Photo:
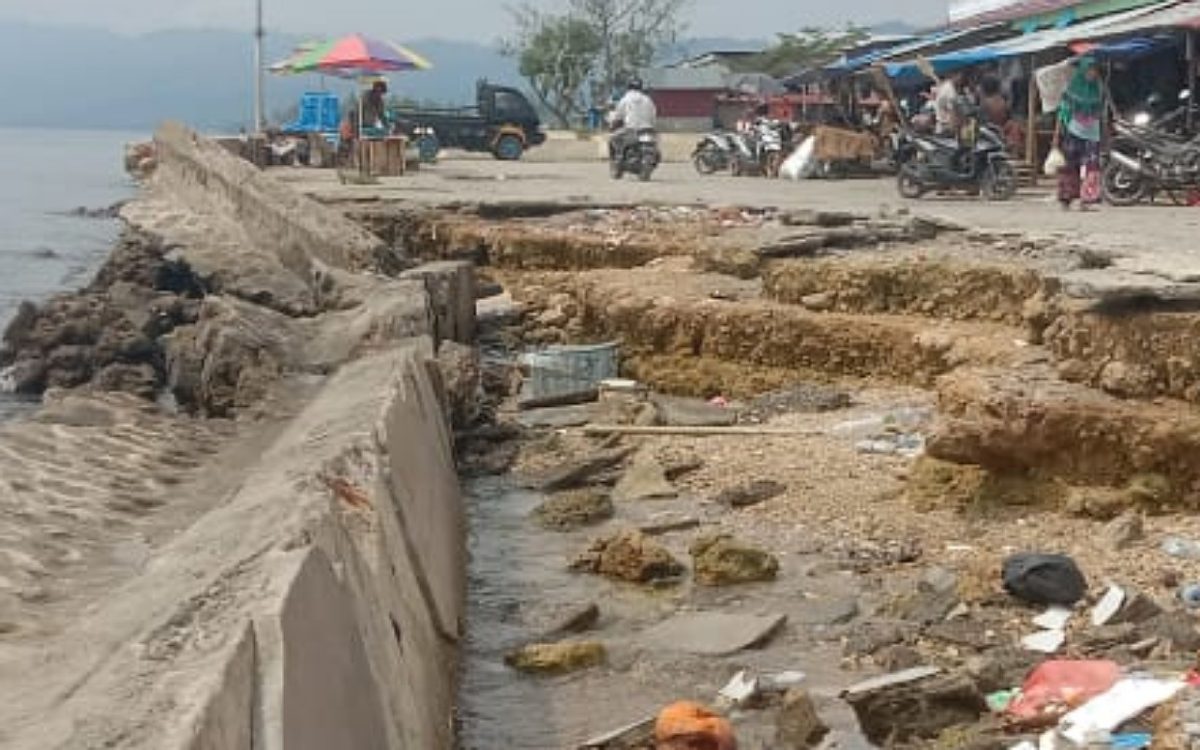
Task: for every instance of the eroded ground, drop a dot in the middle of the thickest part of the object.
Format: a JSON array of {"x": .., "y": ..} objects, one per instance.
[{"x": 1017, "y": 379}]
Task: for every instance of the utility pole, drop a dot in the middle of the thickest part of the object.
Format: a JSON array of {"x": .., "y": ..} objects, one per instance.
[{"x": 259, "y": 34}]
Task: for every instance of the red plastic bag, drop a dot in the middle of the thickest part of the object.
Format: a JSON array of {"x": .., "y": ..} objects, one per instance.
[{"x": 1054, "y": 688}]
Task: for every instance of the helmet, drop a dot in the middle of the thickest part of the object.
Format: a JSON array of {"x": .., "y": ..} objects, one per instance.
[{"x": 635, "y": 84}]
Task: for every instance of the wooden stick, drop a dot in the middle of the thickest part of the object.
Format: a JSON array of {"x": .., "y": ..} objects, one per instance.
[{"x": 614, "y": 429}]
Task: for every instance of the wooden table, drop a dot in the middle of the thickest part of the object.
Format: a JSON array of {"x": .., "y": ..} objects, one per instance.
[{"x": 382, "y": 157}]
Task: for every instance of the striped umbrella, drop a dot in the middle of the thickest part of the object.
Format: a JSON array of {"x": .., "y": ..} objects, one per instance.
[{"x": 351, "y": 57}]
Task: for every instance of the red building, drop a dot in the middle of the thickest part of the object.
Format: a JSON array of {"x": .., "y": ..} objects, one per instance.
[{"x": 686, "y": 97}]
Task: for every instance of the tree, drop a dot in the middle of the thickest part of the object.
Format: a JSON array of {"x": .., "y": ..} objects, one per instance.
[
  {"x": 631, "y": 32},
  {"x": 556, "y": 55},
  {"x": 810, "y": 48},
  {"x": 585, "y": 51}
]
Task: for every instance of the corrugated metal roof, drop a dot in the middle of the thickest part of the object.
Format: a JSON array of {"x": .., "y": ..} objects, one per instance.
[{"x": 684, "y": 79}]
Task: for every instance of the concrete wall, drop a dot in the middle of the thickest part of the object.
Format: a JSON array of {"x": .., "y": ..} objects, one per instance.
[
  {"x": 318, "y": 607},
  {"x": 316, "y": 603},
  {"x": 294, "y": 226}
]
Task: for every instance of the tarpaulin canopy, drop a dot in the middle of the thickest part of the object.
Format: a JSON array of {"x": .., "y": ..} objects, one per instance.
[
  {"x": 1185, "y": 15},
  {"x": 1027, "y": 44},
  {"x": 852, "y": 65}
]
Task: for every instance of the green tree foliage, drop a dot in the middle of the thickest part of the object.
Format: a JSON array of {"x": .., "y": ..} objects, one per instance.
[
  {"x": 557, "y": 56},
  {"x": 583, "y": 52},
  {"x": 810, "y": 48}
]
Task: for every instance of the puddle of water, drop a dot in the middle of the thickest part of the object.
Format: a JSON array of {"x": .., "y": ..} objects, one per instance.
[{"x": 519, "y": 578}]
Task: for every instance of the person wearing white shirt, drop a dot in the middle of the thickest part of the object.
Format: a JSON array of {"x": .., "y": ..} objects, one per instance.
[{"x": 633, "y": 113}]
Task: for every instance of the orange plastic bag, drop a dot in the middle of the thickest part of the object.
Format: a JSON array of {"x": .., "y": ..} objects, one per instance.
[
  {"x": 690, "y": 726},
  {"x": 1054, "y": 688}
]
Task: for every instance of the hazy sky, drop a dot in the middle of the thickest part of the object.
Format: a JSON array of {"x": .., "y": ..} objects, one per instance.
[{"x": 482, "y": 20}]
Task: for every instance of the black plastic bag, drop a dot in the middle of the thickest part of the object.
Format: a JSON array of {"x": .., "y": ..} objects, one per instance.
[{"x": 1044, "y": 579}]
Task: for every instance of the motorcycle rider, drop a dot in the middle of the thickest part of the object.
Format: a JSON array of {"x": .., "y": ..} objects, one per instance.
[{"x": 634, "y": 112}]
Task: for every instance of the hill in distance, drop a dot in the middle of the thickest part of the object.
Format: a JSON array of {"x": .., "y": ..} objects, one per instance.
[{"x": 87, "y": 78}]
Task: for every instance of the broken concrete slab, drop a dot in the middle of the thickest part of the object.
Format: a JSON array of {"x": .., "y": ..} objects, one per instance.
[
  {"x": 751, "y": 493},
  {"x": 557, "y": 418},
  {"x": 645, "y": 479},
  {"x": 674, "y": 411},
  {"x": 711, "y": 633},
  {"x": 919, "y": 703},
  {"x": 578, "y": 472},
  {"x": 799, "y": 726}
]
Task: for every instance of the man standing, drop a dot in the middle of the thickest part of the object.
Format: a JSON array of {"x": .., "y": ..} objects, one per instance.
[
  {"x": 634, "y": 112},
  {"x": 946, "y": 106}
]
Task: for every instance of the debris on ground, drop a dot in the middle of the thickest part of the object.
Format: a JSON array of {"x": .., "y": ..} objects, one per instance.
[
  {"x": 686, "y": 725},
  {"x": 721, "y": 560},
  {"x": 799, "y": 727},
  {"x": 577, "y": 620},
  {"x": 751, "y": 493},
  {"x": 1043, "y": 579},
  {"x": 918, "y": 704},
  {"x": 579, "y": 472},
  {"x": 711, "y": 633},
  {"x": 629, "y": 556},
  {"x": 645, "y": 479},
  {"x": 556, "y": 658},
  {"x": 1055, "y": 688},
  {"x": 574, "y": 509}
]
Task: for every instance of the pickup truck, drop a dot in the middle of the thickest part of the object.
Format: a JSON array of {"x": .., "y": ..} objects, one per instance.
[{"x": 502, "y": 123}]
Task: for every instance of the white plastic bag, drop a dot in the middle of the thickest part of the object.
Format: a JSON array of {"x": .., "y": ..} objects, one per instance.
[
  {"x": 801, "y": 164},
  {"x": 1054, "y": 162}
]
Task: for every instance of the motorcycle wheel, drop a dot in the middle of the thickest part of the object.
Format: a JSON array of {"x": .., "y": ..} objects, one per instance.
[
  {"x": 910, "y": 185},
  {"x": 705, "y": 161},
  {"x": 999, "y": 182},
  {"x": 1122, "y": 188}
]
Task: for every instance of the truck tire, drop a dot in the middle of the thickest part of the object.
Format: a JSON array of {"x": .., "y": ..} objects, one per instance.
[{"x": 508, "y": 148}]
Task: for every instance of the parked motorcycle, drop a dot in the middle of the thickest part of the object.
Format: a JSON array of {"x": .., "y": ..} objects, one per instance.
[
  {"x": 930, "y": 162},
  {"x": 1146, "y": 161},
  {"x": 635, "y": 154},
  {"x": 715, "y": 152},
  {"x": 763, "y": 149}
]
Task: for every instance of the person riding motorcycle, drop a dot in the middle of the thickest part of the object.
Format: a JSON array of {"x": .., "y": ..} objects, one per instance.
[{"x": 634, "y": 112}]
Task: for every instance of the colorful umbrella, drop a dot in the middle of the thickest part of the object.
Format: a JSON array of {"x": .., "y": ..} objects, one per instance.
[{"x": 351, "y": 57}]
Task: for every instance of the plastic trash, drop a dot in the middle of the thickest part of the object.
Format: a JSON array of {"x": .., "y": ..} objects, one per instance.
[
  {"x": 1054, "y": 688},
  {"x": 802, "y": 163},
  {"x": 687, "y": 722},
  {"x": 1122, "y": 702},
  {"x": 999, "y": 701},
  {"x": 1184, "y": 549},
  {"x": 1132, "y": 741},
  {"x": 1045, "y": 642},
  {"x": 1190, "y": 595},
  {"x": 1044, "y": 579},
  {"x": 1055, "y": 161}
]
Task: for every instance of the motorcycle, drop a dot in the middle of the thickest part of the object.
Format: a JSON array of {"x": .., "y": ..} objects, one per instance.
[
  {"x": 763, "y": 149},
  {"x": 930, "y": 162},
  {"x": 1145, "y": 161},
  {"x": 636, "y": 153},
  {"x": 715, "y": 152}
]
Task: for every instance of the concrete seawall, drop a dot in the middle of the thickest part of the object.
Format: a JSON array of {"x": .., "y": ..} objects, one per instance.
[{"x": 301, "y": 586}]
